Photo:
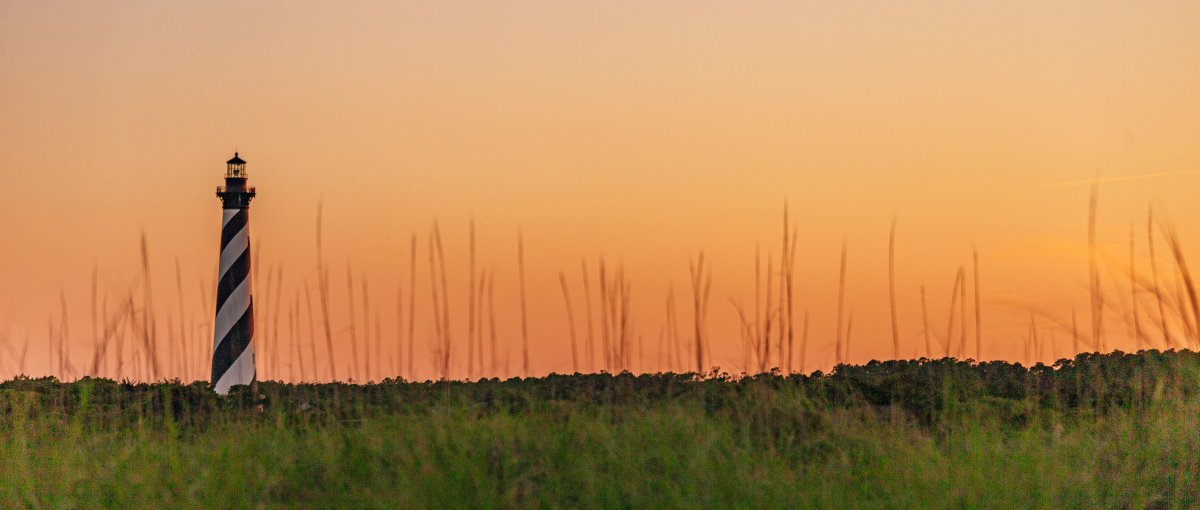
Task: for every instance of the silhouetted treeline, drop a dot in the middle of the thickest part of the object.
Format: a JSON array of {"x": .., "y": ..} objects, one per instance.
[{"x": 921, "y": 390}]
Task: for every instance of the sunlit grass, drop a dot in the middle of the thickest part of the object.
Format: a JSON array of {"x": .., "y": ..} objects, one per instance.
[{"x": 1101, "y": 431}]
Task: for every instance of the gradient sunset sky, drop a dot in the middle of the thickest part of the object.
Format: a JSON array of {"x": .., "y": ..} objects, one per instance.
[{"x": 643, "y": 132}]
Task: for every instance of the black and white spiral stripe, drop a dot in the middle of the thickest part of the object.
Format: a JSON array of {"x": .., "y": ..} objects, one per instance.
[{"x": 233, "y": 352}]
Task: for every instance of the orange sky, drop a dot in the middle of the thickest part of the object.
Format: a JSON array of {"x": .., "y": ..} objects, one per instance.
[{"x": 644, "y": 132}]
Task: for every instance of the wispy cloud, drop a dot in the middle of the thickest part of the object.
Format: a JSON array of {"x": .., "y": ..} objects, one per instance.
[{"x": 1083, "y": 183}]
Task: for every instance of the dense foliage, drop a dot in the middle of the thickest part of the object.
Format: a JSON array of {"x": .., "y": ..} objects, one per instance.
[{"x": 1098, "y": 430}]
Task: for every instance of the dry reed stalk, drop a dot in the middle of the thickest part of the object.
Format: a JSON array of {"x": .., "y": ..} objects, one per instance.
[
  {"x": 1185, "y": 276},
  {"x": 953, "y": 303},
  {"x": 609, "y": 312},
  {"x": 148, "y": 327},
  {"x": 441, "y": 307},
  {"x": 978, "y": 307},
  {"x": 293, "y": 346},
  {"x": 587, "y": 303},
  {"x": 412, "y": 301},
  {"x": 748, "y": 337},
  {"x": 962, "y": 309},
  {"x": 261, "y": 320},
  {"x": 64, "y": 345},
  {"x": 471, "y": 301},
  {"x": 787, "y": 321},
  {"x": 892, "y": 290},
  {"x": 524, "y": 315},
  {"x": 849, "y": 330},
  {"x": 110, "y": 327},
  {"x": 312, "y": 330},
  {"x": 1189, "y": 329},
  {"x": 133, "y": 326},
  {"x": 756, "y": 344},
  {"x": 1074, "y": 333},
  {"x": 925, "y": 324},
  {"x": 297, "y": 336},
  {"x": 436, "y": 309},
  {"x": 183, "y": 329},
  {"x": 94, "y": 309},
  {"x": 484, "y": 276},
  {"x": 841, "y": 305},
  {"x": 673, "y": 330},
  {"x": 397, "y": 354},
  {"x": 1030, "y": 341},
  {"x": 50, "y": 336},
  {"x": 323, "y": 295},
  {"x": 355, "y": 359},
  {"x": 379, "y": 346},
  {"x": 24, "y": 355},
  {"x": 701, "y": 288},
  {"x": 670, "y": 348},
  {"x": 1039, "y": 347},
  {"x": 1096, "y": 291},
  {"x": 662, "y": 338},
  {"x": 371, "y": 372},
  {"x": 604, "y": 326},
  {"x": 492, "y": 321},
  {"x": 170, "y": 329},
  {"x": 562, "y": 280},
  {"x": 1158, "y": 297},
  {"x": 441, "y": 253},
  {"x": 100, "y": 356},
  {"x": 641, "y": 357},
  {"x": 275, "y": 318},
  {"x": 627, "y": 320},
  {"x": 764, "y": 358},
  {"x": 704, "y": 312},
  {"x": 620, "y": 351},
  {"x": 804, "y": 344},
  {"x": 781, "y": 317},
  {"x": 128, "y": 314},
  {"x": 1137, "y": 325}
]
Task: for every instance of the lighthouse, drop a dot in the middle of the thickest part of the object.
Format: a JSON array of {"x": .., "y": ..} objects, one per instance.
[{"x": 233, "y": 329}]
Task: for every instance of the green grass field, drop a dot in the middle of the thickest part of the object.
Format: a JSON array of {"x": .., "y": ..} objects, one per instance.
[{"x": 1111, "y": 431}]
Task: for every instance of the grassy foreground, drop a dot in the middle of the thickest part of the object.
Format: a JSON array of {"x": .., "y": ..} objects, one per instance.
[{"x": 1111, "y": 431}]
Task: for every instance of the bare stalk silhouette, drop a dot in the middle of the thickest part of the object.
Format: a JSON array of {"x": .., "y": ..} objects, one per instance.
[
  {"x": 892, "y": 290},
  {"x": 1095, "y": 285},
  {"x": 788, "y": 264},
  {"x": 471, "y": 301},
  {"x": 804, "y": 344},
  {"x": 492, "y": 321},
  {"x": 1133, "y": 295},
  {"x": 524, "y": 314},
  {"x": 962, "y": 308},
  {"x": 590, "y": 348},
  {"x": 978, "y": 308},
  {"x": 562, "y": 280},
  {"x": 701, "y": 288},
  {"x": 323, "y": 291},
  {"x": 484, "y": 276},
  {"x": 355, "y": 360},
  {"x": 925, "y": 324},
  {"x": 838, "y": 340},
  {"x": 412, "y": 300},
  {"x": 953, "y": 302},
  {"x": 149, "y": 341},
  {"x": 1158, "y": 297}
]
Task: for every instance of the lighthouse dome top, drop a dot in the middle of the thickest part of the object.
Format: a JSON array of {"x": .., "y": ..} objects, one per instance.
[{"x": 235, "y": 168}]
